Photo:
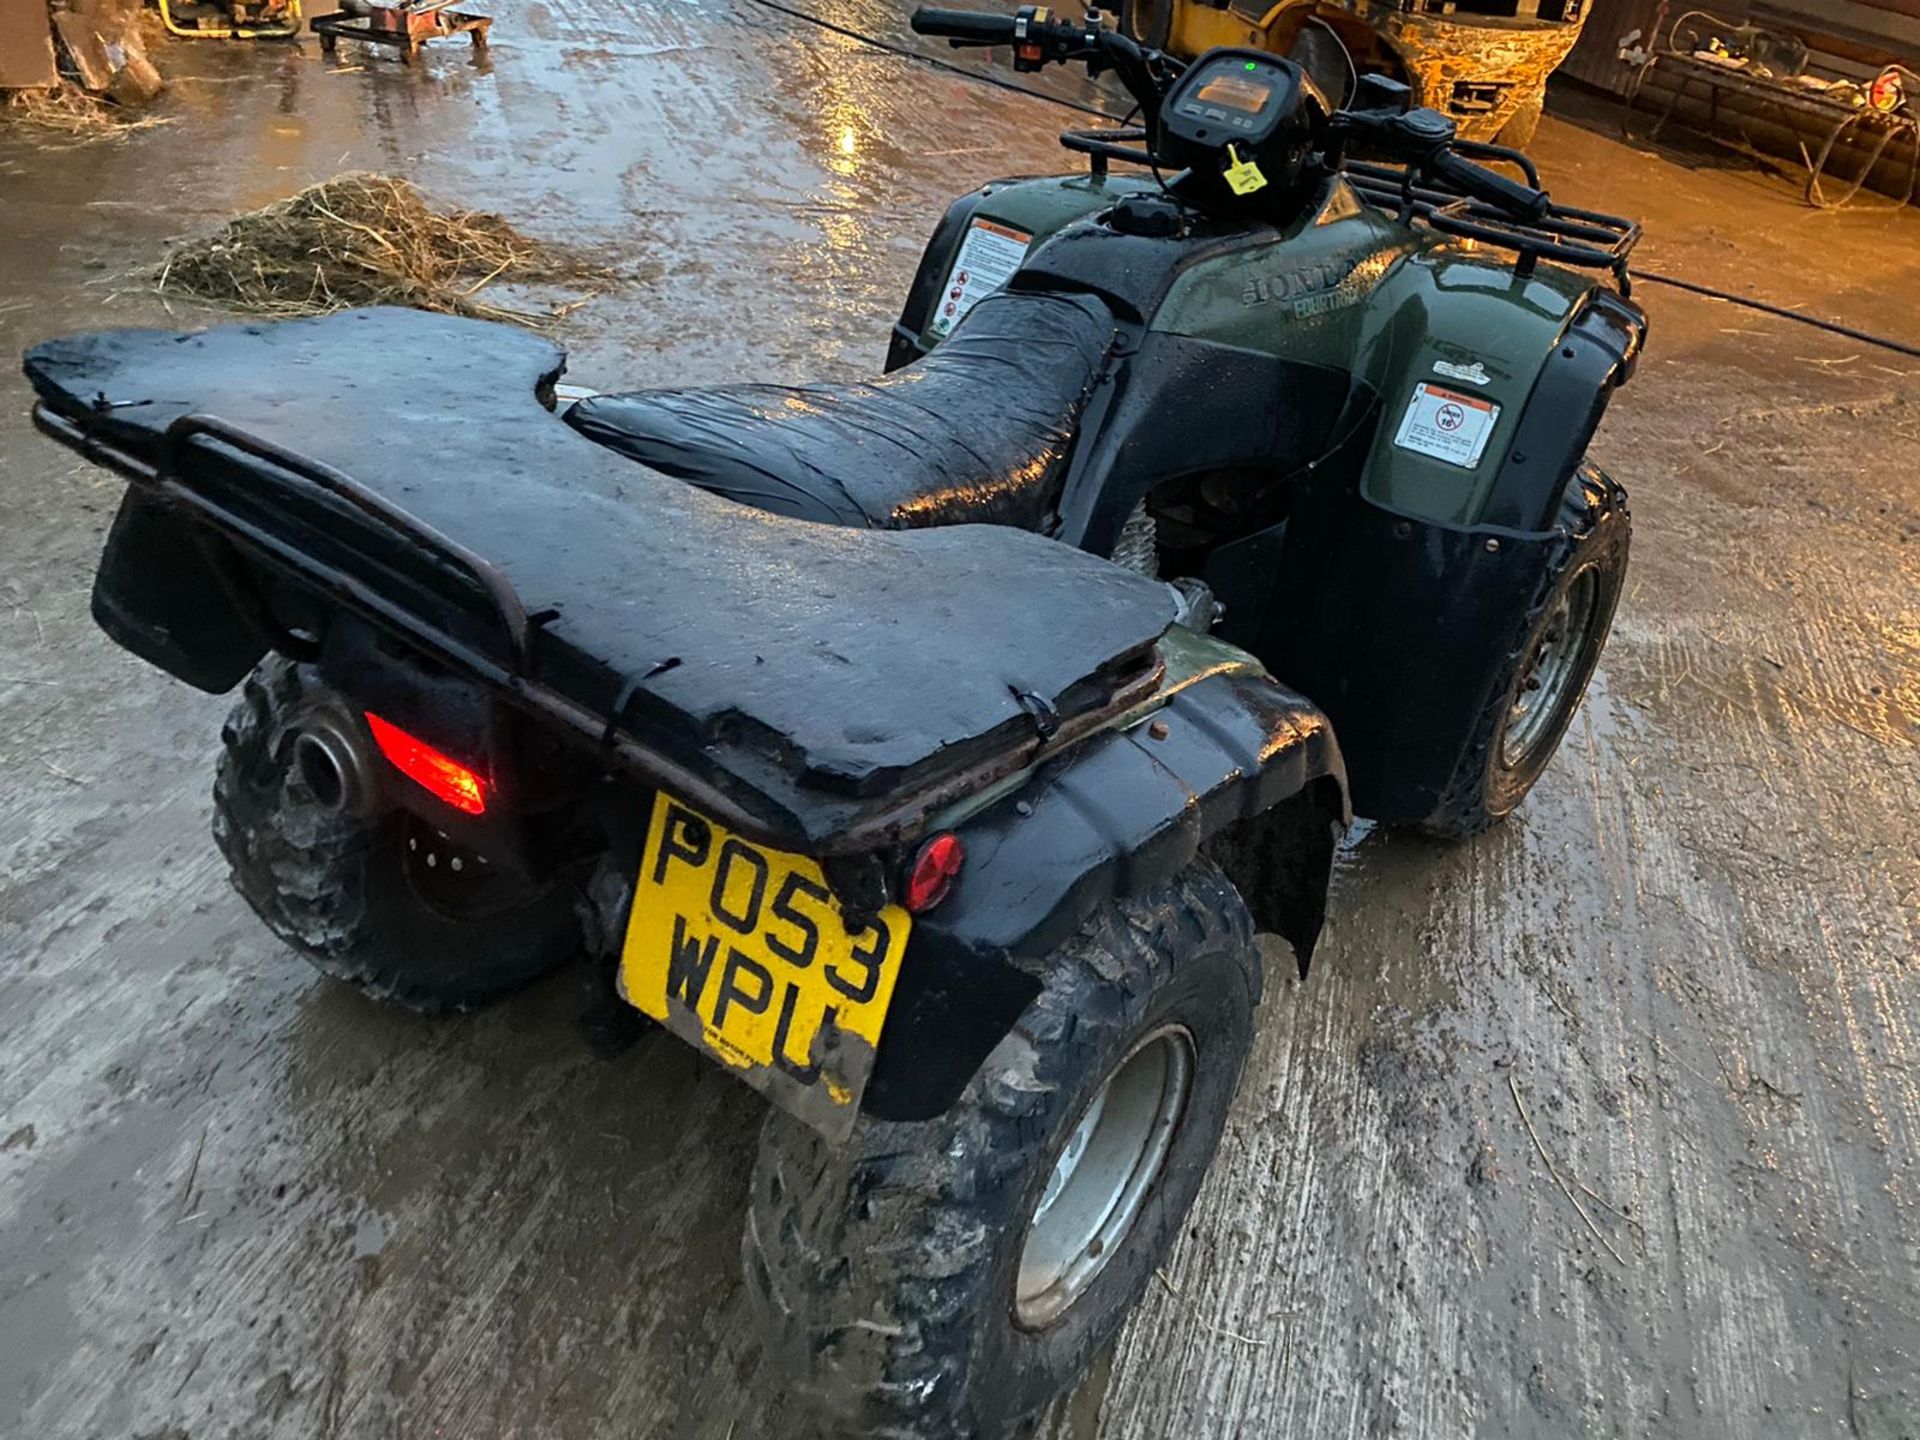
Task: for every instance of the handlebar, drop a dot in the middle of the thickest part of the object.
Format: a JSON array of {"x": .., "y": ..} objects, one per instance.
[
  {"x": 1521, "y": 201},
  {"x": 968, "y": 27},
  {"x": 1038, "y": 41},
  {"x": 1423, "y": 139},
  {"x": 1420, "y": 138}
]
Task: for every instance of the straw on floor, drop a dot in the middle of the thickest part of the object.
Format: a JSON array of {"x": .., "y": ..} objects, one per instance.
[
  {"x": 69, "y": 110},
  {"x": 363, "y": 239}
]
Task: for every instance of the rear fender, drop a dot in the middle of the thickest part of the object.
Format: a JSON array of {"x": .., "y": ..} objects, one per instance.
[
  {"x": 537, "y": 780},
  {"x": 1235, "y": 766}
]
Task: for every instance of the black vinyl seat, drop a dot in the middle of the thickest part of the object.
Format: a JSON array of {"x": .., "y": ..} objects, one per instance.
[{"x": 978, "y": 431}]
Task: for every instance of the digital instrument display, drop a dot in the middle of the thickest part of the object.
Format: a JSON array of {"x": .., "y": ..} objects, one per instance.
[{"x": 1245, "y": 93}]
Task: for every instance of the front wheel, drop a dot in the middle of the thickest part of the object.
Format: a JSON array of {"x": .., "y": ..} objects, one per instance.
[
  {"x": 1546, "y": 673},
  {"x": 951, "y": 1277}
]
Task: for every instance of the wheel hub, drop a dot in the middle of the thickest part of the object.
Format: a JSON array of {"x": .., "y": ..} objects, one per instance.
[
  {"x": 1103, "y": 1175},
  {"x": 1551, "y": 672}
]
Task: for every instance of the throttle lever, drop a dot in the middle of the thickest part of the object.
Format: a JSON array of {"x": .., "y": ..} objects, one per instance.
[{"x": 1423, "y": 138}]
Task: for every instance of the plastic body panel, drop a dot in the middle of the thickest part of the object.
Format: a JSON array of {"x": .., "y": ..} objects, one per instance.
[
  {"x": 1345, "y": 288},
  {"x": 1396, "y": 589},
  {"x": 1392, "y": 593},
  {"x": 1399, "y": 627},
  {"x": 1390, "y": 304},
  {"x": 1039, "y": 207}
]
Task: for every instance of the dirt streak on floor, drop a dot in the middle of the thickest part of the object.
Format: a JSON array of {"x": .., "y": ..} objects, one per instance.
[{"x": 1605, "y": 1124}]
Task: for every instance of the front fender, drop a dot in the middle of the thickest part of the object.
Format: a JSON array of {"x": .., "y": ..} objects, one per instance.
[
  {"x": 1234, "y": 765},
  {"x": 1548, "y": 348}
]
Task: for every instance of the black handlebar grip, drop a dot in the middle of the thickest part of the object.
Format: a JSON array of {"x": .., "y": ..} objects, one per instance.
[
  {"x": 1481, "y": 183},
  {"x": 968, "y": 25}
]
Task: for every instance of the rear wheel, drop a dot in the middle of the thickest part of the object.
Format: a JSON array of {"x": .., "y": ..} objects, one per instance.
[
  {"x": 387, "y": 904},
  {"x": 950, "y": 1277},
  {"x": 1547, "y": 671}
]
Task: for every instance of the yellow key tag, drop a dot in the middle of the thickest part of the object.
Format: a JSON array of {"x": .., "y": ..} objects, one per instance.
[{"x": 1243, "y": 176}]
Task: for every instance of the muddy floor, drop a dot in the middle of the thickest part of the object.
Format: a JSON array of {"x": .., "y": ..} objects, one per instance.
[{"x": 1604, "y": 1124}]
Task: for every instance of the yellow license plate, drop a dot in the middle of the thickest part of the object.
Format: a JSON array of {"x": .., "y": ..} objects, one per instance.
[{"x": 743, "y": 951}]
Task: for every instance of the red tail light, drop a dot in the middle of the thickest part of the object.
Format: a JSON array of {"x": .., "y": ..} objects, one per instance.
[
  {"x": 931, "y": 874},
  {"x": 440, "y": 775}
]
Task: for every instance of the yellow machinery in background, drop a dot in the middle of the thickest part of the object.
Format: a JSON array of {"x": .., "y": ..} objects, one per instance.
[
  {"x": 231, "y": 19},
  {"x": 1485, "y": 63}
]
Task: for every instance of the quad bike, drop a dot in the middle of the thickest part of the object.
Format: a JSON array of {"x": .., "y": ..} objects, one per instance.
[{"x": 927, "y": 752}]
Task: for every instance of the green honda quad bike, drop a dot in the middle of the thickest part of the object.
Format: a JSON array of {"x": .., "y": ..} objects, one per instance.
[{"x": 926, "y": 752}]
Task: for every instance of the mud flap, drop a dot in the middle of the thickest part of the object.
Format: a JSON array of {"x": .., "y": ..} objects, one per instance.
[
  {"x": 1398, "y": 627},
  {"x": 159, "y": 595}
]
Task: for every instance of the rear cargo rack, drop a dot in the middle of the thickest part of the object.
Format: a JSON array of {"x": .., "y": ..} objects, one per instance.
[
  {"x": 486, "y": 632},
  {"x": 503, "y": 600}
]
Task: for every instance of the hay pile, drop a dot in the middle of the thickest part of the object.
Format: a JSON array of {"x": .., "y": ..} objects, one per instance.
[
  {"x": 363, "y": 239},
  {"x": 68, "y": 110}
]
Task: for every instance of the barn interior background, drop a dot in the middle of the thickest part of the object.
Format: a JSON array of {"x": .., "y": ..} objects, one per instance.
[{"x": 1828, "y": 86}]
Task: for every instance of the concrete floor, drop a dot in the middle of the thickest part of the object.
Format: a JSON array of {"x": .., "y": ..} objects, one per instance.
[{"x": 238, "y": 1201}]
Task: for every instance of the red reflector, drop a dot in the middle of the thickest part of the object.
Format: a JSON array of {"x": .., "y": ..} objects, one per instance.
[
  {"x": 445, "y": 778},
  {"x": 932, "y": 872}
]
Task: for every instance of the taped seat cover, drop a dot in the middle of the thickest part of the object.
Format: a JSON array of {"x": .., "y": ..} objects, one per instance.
[{"x": 979, "y": 431}]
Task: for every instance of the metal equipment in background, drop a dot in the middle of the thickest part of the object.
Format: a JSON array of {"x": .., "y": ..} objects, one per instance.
[
  {"x": 403, "y": 27},
  {"x": 1750, "y": 76},
  {"x": 231, "y": 19}
]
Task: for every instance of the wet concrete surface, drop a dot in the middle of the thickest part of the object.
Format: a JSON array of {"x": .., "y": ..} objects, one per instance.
[{"x": 1604, "y": 1124}]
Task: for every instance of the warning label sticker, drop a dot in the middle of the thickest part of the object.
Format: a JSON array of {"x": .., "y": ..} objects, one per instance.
[
  {"x": 987, "y": 259},
  {"x": 1447, "y": 425}
]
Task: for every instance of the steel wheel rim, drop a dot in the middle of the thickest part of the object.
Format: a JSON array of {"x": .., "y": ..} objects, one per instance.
[
  {"x": 1552, "y": 672},
  {"x": 1103, "y": 1175}
]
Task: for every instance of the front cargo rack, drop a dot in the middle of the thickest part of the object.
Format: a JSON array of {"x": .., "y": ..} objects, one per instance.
[{"x": 1584, "y": 239}]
